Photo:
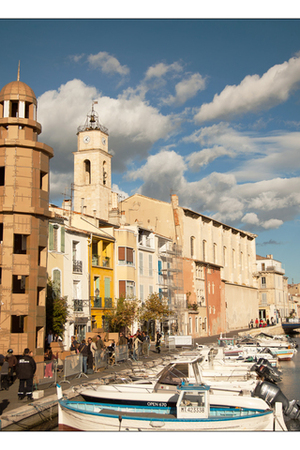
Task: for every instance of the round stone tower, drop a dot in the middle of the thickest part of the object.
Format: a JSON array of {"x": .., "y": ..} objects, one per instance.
[{"x": 24, "y": 213}]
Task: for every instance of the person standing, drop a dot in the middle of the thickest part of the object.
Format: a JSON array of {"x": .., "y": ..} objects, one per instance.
[
  {"x": 91, "y": 347},
  {"x": 157, "y": 344},
  {"x": 25, "y": 370},
  {"x": 83, "y": 350},
  {"x": 12, "y": 362},
  {"x": 74, "y": 345}
]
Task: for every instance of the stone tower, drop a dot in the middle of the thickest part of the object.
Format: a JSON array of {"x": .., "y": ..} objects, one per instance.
[
  {"x": 92, "y": 169},
  {"x": 24, "y": 213}
]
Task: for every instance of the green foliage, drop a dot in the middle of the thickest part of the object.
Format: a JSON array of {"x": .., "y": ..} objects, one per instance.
[
  {"x": 123, "y": 315},
  {"x": 154, "y": 308},
  {"x": 56, "y": 310}
]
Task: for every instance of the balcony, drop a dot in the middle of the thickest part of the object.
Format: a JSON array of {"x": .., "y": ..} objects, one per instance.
[
  {"x": 98, "y": 302},
  {"x": 77, "y": 266},
  {"x": 96, "y": 261},
  {"x": 78, "y": 305}
]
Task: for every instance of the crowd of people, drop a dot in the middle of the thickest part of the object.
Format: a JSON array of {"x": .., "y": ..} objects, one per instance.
[{"x": 137, "y": 344}]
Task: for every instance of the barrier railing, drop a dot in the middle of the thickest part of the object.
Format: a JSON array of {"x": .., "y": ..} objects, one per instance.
[
  {"x": 73, "y": 365},
  {"x": 100, "y": 359},
  {"x": 46, "y": 372},
  {"x": 121, "y": 353}
]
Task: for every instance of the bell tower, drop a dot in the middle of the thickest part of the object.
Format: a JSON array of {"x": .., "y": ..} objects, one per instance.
[{"x": 92, "y": 169}]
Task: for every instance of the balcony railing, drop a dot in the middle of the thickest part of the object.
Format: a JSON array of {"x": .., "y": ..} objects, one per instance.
[
  {"x": 98, "y": 302},
  {"x": 77, "y": 266},
  {"x": 96, "y": 261},
  {"x": 78, "y": 305}
]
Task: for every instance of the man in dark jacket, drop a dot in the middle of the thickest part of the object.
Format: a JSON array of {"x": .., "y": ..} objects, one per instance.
[{"x": 25, "y": 370}]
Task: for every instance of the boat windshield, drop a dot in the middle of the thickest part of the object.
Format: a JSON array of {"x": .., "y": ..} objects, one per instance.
[{"x": 174, "y": 374}]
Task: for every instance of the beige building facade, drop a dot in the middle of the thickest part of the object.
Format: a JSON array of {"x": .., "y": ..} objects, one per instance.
[
  {"x": 209, "y": 244},
  {"x": 24, "y": 214},
  {"x": 272, "y": 289}
]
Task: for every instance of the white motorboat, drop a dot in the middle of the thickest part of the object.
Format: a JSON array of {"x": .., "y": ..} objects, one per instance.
[
  {"x": 196, "y": 409},
  {"x": 162, "y": 388}
]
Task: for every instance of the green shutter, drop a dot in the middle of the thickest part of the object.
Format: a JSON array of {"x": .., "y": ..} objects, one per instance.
[{"x": 62, "y": 240}]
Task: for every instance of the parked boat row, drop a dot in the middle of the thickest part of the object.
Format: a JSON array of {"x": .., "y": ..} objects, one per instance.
[{"x": 199, "y": 390}]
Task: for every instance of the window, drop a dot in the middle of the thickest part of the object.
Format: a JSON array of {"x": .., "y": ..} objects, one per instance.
[
  {"x": 263, "y": 266},
  {"x": 44, "y": 181},
  {"x": 56, "y": 238},
  {"x": 104, "y": 173},
  {"x": 204, "y": 250},
  {"x": 264, "y": 299},
  {"x": 224, "y": 256},
  {"x": 141, "y": 263},
  {"x": 2, "y": 176},
  {"x": 20, "y": 244},
  {"x": 77, "y": 263},
  {"x": 87, "y": 171},
  {"x": 263, "y": 282},
  {"x": 19, "y": 284},
  {"x": 126, "y": 256},
  {"x": 233, "y": 258},
  {"x": 126, "y": 289},
  {"x": 192, "y": 246},
  {"x": 17, "y": 324},
  {"x": 150, "y": 266},
  {"x": 142, "y": 293},
  {"x": 215, "y": 253},
  {"x": 56, "y": 283}
]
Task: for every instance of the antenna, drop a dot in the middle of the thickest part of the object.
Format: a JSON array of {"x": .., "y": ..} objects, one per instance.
[{"x": 18, "y": 77}]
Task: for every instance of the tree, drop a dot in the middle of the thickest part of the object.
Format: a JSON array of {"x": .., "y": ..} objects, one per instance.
[
  {"x": 56, "y": 310},
  {"x": 123, "y": 315},
  {"x": 154, "y": 308}
]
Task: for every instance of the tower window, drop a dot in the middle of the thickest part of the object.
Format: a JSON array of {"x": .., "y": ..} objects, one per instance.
[
  {"x": 44, "y": 181},
  {"x": 14, "y": 109},
  {"x": 87, "y": 171},
  {"x": 19, "y": 284},
  {"x": 17, "y": 324},
  {"x": 2, "y": 175},
  {"x": 20, "y": 244}
]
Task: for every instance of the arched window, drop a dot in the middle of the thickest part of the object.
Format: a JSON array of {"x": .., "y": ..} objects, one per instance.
[
  {"x": 87, "y": 171},
  {"x": 104, "y": 173}
]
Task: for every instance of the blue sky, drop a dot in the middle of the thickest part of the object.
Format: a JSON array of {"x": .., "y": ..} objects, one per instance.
[{"x": 206, "y": 109}]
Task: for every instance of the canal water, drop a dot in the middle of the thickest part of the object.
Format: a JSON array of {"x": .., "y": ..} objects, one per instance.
[{"x": 290, "y": 385}]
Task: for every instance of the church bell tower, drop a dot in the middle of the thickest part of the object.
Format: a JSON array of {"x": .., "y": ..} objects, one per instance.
[{"x": 92, "y": 169}]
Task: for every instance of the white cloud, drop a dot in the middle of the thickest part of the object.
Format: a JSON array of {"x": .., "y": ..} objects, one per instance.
[
  {"x": 186, "y": 89},
  {"x": 134, "y": 126},
  {"x": 250, "y": 218},
  {"x": 272, "y": 224},
  {"x": 254, "y": 93},
  {"x": 161, "y": 69},
  {"x": 107, "y": 63}
]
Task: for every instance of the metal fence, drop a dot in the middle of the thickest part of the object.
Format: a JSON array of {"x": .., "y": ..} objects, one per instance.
[
  {"x": 46, "y": 372},
  {"x": 100, "y": 359},
  {"x": 73, "y": 365}
]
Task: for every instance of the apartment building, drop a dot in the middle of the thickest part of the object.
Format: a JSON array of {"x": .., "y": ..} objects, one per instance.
[
  {"x": 213, "y": 256},
  {"x": 272, "y": 289}
]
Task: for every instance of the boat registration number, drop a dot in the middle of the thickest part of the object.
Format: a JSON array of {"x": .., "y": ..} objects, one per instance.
[{"x": 193, "y": 409}]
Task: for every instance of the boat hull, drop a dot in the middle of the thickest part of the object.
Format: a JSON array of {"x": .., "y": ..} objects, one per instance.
[{"x": 92, "y": 419}]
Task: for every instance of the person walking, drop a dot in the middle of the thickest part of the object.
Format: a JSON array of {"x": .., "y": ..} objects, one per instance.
[
  {"x": 25, "y": 370},
  {"x": 90, "y": 355}
]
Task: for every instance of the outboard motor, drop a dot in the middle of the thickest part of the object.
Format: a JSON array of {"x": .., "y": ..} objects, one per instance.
[
  {"x": 265, "y": 362},
  {"x": 272, "y": 394},
  {"x": 267, "y": 373}
]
